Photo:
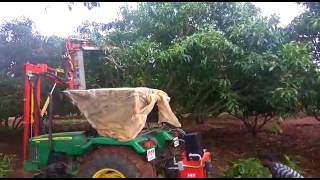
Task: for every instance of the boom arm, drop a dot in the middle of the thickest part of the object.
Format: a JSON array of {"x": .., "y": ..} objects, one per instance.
[
  {"x": 73, "y": 60},
  {"x": 74, "y": 69}
]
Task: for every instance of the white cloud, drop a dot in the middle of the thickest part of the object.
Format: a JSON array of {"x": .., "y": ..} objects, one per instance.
[
  {"x": 55, "y": 18},
  {"x": 285, "y": 10}
]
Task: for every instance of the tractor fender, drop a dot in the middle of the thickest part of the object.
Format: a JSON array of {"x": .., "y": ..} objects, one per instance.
[{"x": 135, "y": 144}]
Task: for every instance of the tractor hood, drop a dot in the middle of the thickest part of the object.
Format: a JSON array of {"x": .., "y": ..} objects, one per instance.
[{"x": 121, "y": 113}]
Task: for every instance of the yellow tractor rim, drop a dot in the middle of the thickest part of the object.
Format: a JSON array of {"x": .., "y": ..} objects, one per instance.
[{"x": 108, "y": 173}]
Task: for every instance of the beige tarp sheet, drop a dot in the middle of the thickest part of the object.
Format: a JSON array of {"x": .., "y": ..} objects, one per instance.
[{"x": 121, "y": 113}]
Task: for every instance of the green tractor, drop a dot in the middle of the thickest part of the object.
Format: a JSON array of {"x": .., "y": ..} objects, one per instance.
[
  {"x": 85, "y": 154},
  {"x": 161, "y": 151}
]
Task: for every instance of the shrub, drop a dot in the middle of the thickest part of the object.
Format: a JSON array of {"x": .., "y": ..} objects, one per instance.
[
  {"x": 252, "y": 168},
  {"x": 247, "y": 168},
  {"x": 6, "y": 164}
]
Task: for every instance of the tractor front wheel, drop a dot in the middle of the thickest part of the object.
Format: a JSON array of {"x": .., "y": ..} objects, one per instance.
[{"x": 115, "y": 162}]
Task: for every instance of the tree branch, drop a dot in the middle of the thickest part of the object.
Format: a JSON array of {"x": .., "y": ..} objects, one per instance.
[{"x": 266, "y": 119}]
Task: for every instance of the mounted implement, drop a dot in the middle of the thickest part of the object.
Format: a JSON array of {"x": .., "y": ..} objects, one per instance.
[{"x": 134, "y": 131}]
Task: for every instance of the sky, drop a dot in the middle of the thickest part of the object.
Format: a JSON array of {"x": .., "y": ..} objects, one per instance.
[
  {"x": 54, "y": 18},
  {"x": 285, "y": 10}
]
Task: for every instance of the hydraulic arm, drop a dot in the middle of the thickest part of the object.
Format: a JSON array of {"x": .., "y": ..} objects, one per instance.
[{"x": 75, "y": 79}]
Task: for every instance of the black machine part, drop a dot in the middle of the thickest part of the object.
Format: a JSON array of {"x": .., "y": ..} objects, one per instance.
[
  {"x": 193, "y": 145},
  {"x": 60, "y": 165},
  {"x": 153, "y": 116},
  {"x": 57, "y": 167}
]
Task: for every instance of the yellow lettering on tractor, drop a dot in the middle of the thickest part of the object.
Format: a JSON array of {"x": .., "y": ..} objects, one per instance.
[{"x": 55, "y": 138}]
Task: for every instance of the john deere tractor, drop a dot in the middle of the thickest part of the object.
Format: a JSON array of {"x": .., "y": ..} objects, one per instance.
[{"x": 161, "y": 151}]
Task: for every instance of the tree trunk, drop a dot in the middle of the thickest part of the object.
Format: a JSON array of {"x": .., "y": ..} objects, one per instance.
[
  {"x": 254, "y": 132},
  {"x": 200, "y": 119},
  {"x": 316, "y": 117},
  {"x": 250, "y": 128}
]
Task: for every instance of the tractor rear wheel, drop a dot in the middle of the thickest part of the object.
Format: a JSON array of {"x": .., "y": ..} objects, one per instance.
[{"x": 115, "y": 162}]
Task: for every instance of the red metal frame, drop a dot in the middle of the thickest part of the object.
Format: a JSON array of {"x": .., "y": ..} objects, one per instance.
[
  {"x": 26, "y": 118},
  {"x": 72, "y": 46},
  {"x": 34, "y": 70},
  {"x": 38, "y": 99}
]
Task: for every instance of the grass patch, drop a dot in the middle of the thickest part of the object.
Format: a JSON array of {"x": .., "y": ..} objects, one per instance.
[
  {"x": 252, "y": 168},
  {"x": 246, "y": 168},
  {"x": 6, "y": 164}
]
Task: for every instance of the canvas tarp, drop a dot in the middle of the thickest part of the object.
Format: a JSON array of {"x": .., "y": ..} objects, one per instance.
[{"x": 121, "y": 113}]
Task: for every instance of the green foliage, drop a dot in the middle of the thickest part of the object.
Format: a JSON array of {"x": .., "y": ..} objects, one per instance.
[
  {"x": 10, "y": 104},
  {"x": 6, "y": 164},
  {"x": 247, "y": 168},
  {"x": 20, "y": 44},
  {"x": 305, "y": 28},
  {"x": 252, "y": 168},
  {"x": 169, "y": 22},
  {"x": 181, "y": 48},
  {"x": 211, "y": 57},
  {"x": 310, "y": 96},
  {"x": 199, "y": 68},
  {"x": 88, "y": 5}
]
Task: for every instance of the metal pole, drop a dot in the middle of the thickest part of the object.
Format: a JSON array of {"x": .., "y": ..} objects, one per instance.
[
  {"x": 37, "y": 107},
  {"x": 26, "y": 118},
  {"x": 50, "y": 122},
  {"x": 31, "y": 110}
]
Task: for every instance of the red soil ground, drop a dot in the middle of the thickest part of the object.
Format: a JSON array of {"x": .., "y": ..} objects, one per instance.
[{"x": 228, "y": 139}]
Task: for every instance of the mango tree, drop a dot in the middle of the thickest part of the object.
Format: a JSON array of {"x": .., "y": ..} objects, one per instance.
[{"x": 211, "y": 57}]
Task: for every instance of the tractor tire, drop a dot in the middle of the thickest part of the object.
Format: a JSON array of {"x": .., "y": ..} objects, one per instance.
[{"x": 118, "y": 161}]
